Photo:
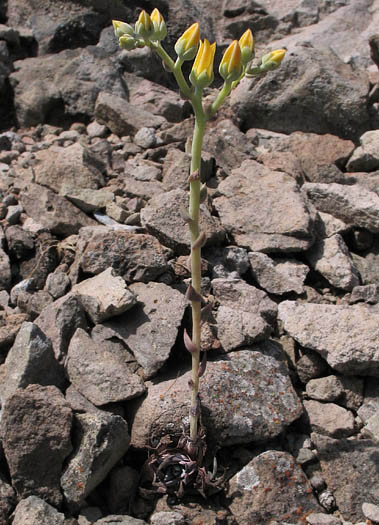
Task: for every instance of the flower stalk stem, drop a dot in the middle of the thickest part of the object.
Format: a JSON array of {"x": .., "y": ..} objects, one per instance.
[{"x": 194, "y": 212}]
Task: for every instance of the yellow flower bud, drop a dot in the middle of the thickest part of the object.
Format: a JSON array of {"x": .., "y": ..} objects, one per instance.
[
  {"x": 247, "y": 46},
  {"x": 159, "y": 25},
  {"x": 186, "y": 46},
  {"x": 231, "y": 67},
  {"x": 202, "y": 69},
  {"x": 122, "y": 28},
  {"x": 273, "y": 59},
  {"x": 127, "y": 42},
  {"x": 144, "y": 26}
]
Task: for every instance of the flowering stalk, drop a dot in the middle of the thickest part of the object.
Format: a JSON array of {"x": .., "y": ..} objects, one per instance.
[{"x": 235, "y": 64}]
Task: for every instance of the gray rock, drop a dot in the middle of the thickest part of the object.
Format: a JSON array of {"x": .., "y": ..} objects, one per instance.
[
  {"x": 123, "y": 484},
  {"x": 246, "y": 397},
  {"x": 150, "y": 329},
  {"x": 371, "y": 428},
  {"x": 366, "y": 156},
  {"x": 145, "y": 138},
  {"x": 36, "y": 427},
  {"x": 162, "y": 218},
  {"x": 332, "y": 259},
  {"x": 117, "y": 519},
  {"x": 13, "y": 214},
  {"x": 176, "y": 169},
  {"x": 350, "y": 472},
  {"x": 278, "y": 276},
  {"x": 371, "y": 511},
  {"x": 321, "y": 157},
  {"x": 101, "y": 373},
  {"x": 335, "y": 101},
  {"x": 104, "y": 296},
  {"x": 327, "y": 388},
  {"x": 71, "y": 167},
  {"x": 88, "y": 200},
  {"x": 53, "y": 211},
  {"x": 329, "y": 419},
  {"x": 264, "y": 210},
  {"x": 20, "y": 242},
  {"x": 135, "y": 257},
  {"x": 327, "y": 225},
  {"x": 5, "y": 271},
  {"x": 7, "y": 499},
  {"x": 228, "y": 145},
  {"x": 370, "y": 405},
  {"x": 272, "y": 472},
  {"x": 352, "y": 204},
  {"x": 352, "y": 396},
  {"x": 348, "y": 337},
  {"x": 57, "y": 284},
  {"x": 368, "y": 266},
  {"x": 323, "y": 519},
  {"x": 121, "y": 117},
  {"x": 245, "y": 313},
  {"x": 30, "y": 361},
  {"x": 35, "y": 511},
  {"x": 368, "y": 294},
  {"x": 59, "y": 321},
  {"x": 167, "y": 518},
  {"x": 100, "y": 440},
  {"x": 158, "y": 100}
]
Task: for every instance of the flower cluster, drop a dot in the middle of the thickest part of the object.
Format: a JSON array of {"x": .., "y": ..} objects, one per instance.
[{"x": 150, "y": 30}]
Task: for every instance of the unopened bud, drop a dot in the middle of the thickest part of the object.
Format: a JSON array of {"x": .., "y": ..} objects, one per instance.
[{"x": 187, "y": 45}]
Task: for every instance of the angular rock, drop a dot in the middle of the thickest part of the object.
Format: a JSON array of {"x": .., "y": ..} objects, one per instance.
[
  {"x": 329, "y": 419},
  {"x": 100, "y": 440},
  {"x": 121, "y": 117},
  {"x": 59, "y": 321},
  {"x": 176, "y": 169},
  {"x": 368, "y": 294},
  {"x": 162, "y": 218},
  {"x": 354, "y": 205},
  {"x": 36, "y": 427},
  {"x": 30, "y": 361},
  {"x": 89, "y": 200},
  {"x": 323, "y": 519},
  {"x": 5, "y": 271},
  {"x": 35, "y": 511},
  {"x": 135, "y": 257},
  {"x": 366, "y": 156},
  {"x": 57, "y": 284},
  {"x": 117, "y": 519},
  {"x": 370, "y": 405},
  {"x": 264, "y": 210},
  {"x": 319, "y": 155},
  {"x": 20, "y": 242},
  {"x": 246, "y": 397},
  {"x": 272, "y": 472},
  {"x": 163, "y": 518},
  {"x": 371, "y": 511},
  {"x": 352, "y": 396},
  {"x": 278, "y": 276},
  {"x": 245, "y": 313},
  {"x": 72, "y": 167},
  {"x": 150, "y": 329},
  {"x": 7, "y": 500},
  {"x": 53, "y": 211},
  {"x": 103, "y": 374},
  {"x": 335, "y": 101},
  {"x": 327, "y": 225},
  {"x": 9, "y": 327},
  {"x": 350, "y": 472},
  {"x": 347, "y": 340},
  {"x": 227, "y": 144},
  {"x": 159, "y": 100},
  {"x": 332, "y": 259},
  {"x": 104, "y": 296},
  {"x": 327, "y": 388}
]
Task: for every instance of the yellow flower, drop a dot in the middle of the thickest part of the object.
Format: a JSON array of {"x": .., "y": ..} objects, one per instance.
[
  {"x": 144, "y": 26},
  {"x": 159, "y": 25},
  {"x": 246, "y": 43},
  {"x": 231, "y": 67},
  {"x": 202, "y": 69},
  {"x": 273, "y": 59},
  {"x": 122, "y": 28},
  {"x": 186, "y": 46}
]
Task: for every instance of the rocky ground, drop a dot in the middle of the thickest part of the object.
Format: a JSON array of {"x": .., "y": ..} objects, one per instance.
[{"x": 93, "y": 266}]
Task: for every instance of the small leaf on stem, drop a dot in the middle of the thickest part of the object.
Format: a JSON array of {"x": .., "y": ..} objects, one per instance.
[{"x": 188, "y": 343}]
